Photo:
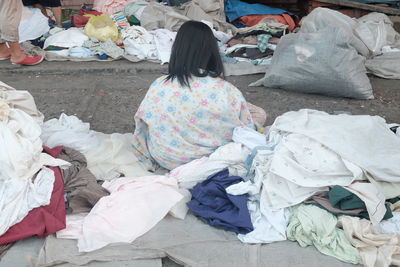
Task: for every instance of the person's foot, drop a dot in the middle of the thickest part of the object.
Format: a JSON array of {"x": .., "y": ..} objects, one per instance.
[
  {"x": 4, "y": 52},
  {"x": 5, "y": 56},
  {"x": 28, "y": 61}
]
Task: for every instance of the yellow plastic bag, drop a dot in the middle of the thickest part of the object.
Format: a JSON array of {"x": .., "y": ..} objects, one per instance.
[{"x": 102, "y": 28}]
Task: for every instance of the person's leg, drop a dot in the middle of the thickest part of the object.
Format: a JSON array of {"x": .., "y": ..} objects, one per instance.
[
  {"x": 10, "y": 16},
  {"x": 57, "y": 14},
  {"x": 55, "y": 6}
]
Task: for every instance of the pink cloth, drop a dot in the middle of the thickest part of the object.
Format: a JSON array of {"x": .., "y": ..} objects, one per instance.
[
  {"x": 110, "y": 6},
  {"x": 134, "y": 206}
]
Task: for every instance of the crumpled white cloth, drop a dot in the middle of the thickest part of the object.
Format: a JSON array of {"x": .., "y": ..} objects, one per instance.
[
  {"x": 134, "y": 206},
  {"x": 20, "y": 160},
  {"x": 69, "y": 131},
  {"x": 153, "y": 45},
  {"x": 249, "y": 137},
  {"x": 113, "y": 157},
  {"x": 375, "y": 149},
  {"x": 232, "y": 156},
  {"x": 300, "y": 167},
  {"x": 67, "y": 38},
  {"x": 22, "y": 100},
  {"x": 269, "y": 224},
  {"x": 376, "y": 249},
  {"x": 392, "y": 225},
  {"x": 373, "y": 198}
]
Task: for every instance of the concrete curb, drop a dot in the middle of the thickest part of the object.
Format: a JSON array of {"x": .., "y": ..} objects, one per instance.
[{"x": 91, "y": 67}]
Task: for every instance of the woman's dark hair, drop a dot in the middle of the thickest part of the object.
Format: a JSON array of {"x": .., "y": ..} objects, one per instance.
[{"x": 195, "y": 52}]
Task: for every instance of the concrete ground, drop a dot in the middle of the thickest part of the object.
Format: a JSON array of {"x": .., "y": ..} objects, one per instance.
[{"x": 107, "y": 95}]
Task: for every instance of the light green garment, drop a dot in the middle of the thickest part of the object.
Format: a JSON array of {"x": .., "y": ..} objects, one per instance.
[{"x": 310, "y": 225}]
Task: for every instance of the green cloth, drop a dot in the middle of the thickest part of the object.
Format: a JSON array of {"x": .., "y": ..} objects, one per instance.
[
  {"x": 310, "y": 225},
  {"x": 262, "y": 41},
  {"x": 133, "y": 20},
  {"x": 342, "y": 199}
]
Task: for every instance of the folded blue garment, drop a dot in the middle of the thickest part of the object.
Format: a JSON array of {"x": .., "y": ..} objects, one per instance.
[
  {"x": 235, "y": 9},
  {"x": 211, "y": 202}
]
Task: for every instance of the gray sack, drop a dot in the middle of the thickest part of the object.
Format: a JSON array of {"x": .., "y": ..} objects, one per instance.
[{"x": 322, "y": 62}]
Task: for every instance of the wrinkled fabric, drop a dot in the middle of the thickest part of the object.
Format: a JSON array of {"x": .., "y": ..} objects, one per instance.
[
  {"x": 176, "y": 124},
  {"x": 69, "y": 131},
  {"x": 283, "y": 18},
  {"x": 211, "y": 202},
  {"x": 135, "y": 8},
  {"x": 268, "y": 25},
  {"x": 374, "y": 200},
  {"x": 392, "y": 225},
  {"x": 66, "y": 38},
  {"x": 230, "y": 156},
  {"x": 157, "y": 16},
  {"x": 10, "y": 16},
  {"x": 108, "y": 47},
  {"x": 80, "y": 185},
  {"x": 153, "y": 45},
  {"x": 20, "y": 99},
  {"x": 322, "y": 200},
  {"x": 20, "y": 160},
  {"x": 301, "y": 167},
  {"x": 134, "y": 206},
  {"x": 110, "y": 6},
  {"x": 310, "y": 225},
  {"x": 345, "y": 201},
  {"x": 375, "y": 152},
  {"x": 80, "y": 52},
  {"x": 376, "y": 249},
  {"x": 235, "y": 9},
  {"x": 269, "y": 224},
  {"x": 114, "y": 157},
  {"x": 41, "y": 221},
  {"x": 249, "y": 137}
]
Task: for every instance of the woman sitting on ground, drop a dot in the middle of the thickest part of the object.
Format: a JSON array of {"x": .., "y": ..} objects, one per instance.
[{"x": 192, "y": 111}]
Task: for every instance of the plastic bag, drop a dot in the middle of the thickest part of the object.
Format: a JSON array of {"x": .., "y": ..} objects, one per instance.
[
  {"x": 322, "y": 18},
  {"x": 33, "y": 24},
  {"x": 102, "y": 28},
  {"x": 376, "y": 31},
  {"x": 323, "y": 62}
]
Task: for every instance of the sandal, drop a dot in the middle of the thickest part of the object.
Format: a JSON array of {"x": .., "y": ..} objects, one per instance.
[{"x": 29, "y": 61}]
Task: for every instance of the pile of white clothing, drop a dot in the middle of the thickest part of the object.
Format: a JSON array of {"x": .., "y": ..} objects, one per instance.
[
  {"x": 108, "y": 156},
  {"x": 25, "y": 182},
  {"x": 152, "y": 45},
  {"x": 302, "y": 153},
  {"x": 69, "y": 131}
]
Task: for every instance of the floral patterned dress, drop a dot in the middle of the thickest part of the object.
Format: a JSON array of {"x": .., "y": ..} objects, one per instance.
[{"x": 176, "y": 124}]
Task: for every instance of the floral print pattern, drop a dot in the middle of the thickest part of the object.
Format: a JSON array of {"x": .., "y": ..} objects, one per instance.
[{"x": 176, "y": 124}]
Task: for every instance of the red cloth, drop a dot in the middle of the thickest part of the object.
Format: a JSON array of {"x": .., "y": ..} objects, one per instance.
[
  {"x": 45, "y": 220},
  {"x": 80, "y": 20},
  {"x": 284, "y": 18}
]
